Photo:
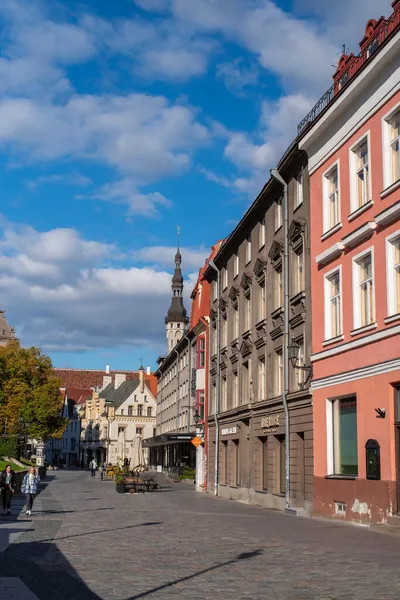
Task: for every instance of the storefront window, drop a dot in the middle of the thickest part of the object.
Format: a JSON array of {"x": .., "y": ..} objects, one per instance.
[{"x": 345, "y": 436}]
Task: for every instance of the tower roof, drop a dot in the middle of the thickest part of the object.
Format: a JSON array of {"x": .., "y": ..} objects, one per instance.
[
  {"x": 177, "y": 312},
  {"x": 7, "y": 333}
]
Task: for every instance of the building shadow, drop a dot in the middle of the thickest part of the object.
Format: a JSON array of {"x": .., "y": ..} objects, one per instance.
[
  {"x": 44, "y": 569},
  {"x": 170, "y": 584}
]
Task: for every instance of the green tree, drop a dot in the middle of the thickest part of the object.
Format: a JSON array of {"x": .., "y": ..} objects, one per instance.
[{"x": 29, "y": 389}]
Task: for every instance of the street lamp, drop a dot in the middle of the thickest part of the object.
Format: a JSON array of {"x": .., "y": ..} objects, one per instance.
[{"x": 293, "y": 355}]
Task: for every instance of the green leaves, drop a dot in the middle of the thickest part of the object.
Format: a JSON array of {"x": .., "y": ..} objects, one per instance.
[{"x": 28, "y": 389}]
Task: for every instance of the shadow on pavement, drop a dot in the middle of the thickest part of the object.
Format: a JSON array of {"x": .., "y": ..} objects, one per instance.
[
  {"x": 67, "y": 537},
  {"x": 44, "y": 569},
  {"x": 169, "y": 584}
]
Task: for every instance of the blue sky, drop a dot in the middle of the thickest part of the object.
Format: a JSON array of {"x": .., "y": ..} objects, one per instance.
[{"x": 120, "y": 120}]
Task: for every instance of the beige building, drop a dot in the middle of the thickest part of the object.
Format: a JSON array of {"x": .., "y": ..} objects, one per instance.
[
  {"x": 7, "y": 333},
  {"x": 113, "y": 417}
]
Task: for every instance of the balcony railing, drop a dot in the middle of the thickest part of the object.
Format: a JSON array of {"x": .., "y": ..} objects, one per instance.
[{"x": 388, "y": 28}]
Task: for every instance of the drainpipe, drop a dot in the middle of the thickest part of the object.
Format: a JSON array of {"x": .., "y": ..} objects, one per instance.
[
  {"x": 277, "y": 176},
  {"x": 188, "y": 379},
  {"x": 218, "y": 375}
]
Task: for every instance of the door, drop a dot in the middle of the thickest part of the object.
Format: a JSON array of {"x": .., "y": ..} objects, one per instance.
[{"x": 397, "y": 441}]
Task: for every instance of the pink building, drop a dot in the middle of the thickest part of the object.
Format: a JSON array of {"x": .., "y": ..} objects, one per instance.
[{"x": 352, "y": 138}]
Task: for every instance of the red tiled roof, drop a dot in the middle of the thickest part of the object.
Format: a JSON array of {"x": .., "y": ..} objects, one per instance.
[
  {"x": 82, "y": 379},
  {"x": 78, "y": 395}
]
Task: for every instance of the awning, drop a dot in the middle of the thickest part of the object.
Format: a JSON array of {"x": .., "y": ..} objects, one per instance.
[{"x": 168, "y": 438}]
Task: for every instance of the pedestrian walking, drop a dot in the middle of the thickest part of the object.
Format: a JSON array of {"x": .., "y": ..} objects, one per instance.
[
  {"x": 7, "y": 487},
  {"x": 29, "y": 487},
  {"x": 93, "y": 467}
]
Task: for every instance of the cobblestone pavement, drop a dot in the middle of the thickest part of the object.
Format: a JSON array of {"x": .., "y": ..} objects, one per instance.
[{"x": 86, "y": 542}]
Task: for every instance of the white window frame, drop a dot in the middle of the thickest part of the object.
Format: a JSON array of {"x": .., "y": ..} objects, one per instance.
[
  {"x": 261, "y": 233},
  {"x": 392, "y": 300},
  {"x": 299, "y": 373},
  {"x": 366, "y": 137},
  {"x": 356, "y": 288},
  {"x": 386, "y": 150},
  {"x": 261, "y": 383},
  {"x": 236, "y": 265},
  {"x": 327, "y": 302},
  {"x": 248, "y": 250},
  {"x": 224, "y": 278},
  {"x": 299, "y": 179},
  {"x": 326, "y": 225},
  {"x": 331, "y": 446},
  {"x": 278, "y": 371},
  {"x": 278, "y": 213}
]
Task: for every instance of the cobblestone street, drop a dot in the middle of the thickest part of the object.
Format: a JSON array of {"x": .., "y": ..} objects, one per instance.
[{"x": 92, "y": 543}]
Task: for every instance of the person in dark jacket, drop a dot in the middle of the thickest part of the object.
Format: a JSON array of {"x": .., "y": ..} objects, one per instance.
[{"x": 7, "y": 486}]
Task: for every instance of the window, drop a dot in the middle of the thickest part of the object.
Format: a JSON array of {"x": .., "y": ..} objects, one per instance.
[
  {"x": 262, "y": 302},
  {"x": 299, "y": 270},
  {"x": 201, "y": 344},
  {"x": 374, "y": 45},
  {"x": 278, "y": 214},
  {"x": 360, "y": 190},
  {"x": 139, "y": 430},
  {"x": 235, "y": 389},
  {"x": 236, "y": 458},
  {"x": 331, "y": 198},
  {"x": 261, "y": 233},
  {"x": 235, "y": 309},
  {"x": 140, "y": 410},
  {"x": 236, "y": 265},
  {"x": 135, "y": 398},
  {"x": 130, "y": 411},
  {"x": 333, "y": 305},
  {"x": 248, "y": 250},
  {"x": 224, "y": 394},
  {"x": 278, "y": 288},
  {"x": 282, "y": 463},
  {"x": 298, "y": 190},
  {"x": 299, "y": 373},
  {"x": 391, "y": 141},
  {"x": 224, "y": 278},
  {"x": 364, "y": 313},
  {"x": 278, "y": 372},
  {"x": 149, "y": 410},
  {"x": 214, "y": 290},
  {"x": 342, "y": 436},
  {"x": 393, "y": 273},
  {"x": 200, "y": 404},
  {"x": 212, "y": 399},
  {"x": 261, "y": 379},
  {"x": 122, "y": 411},
  {"x": 225, "y": 462},
  {"x": 264, "y": 463},
  {"x": 214, "y": 335},
  {"x": 245, "y": 383},
  {"x": 247, "y": 311},
  {"x": 224, "y": 331}
]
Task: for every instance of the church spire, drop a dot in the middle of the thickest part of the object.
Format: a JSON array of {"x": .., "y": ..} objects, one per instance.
[{"x": 176, "y": 319}]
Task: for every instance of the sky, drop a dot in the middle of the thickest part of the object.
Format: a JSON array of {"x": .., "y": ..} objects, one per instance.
[{"x": 120, "y": 120}]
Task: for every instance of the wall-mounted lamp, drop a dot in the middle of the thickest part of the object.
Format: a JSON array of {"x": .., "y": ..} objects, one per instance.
[
  {"x": 293, "y": 355},
  {"x": 381, "y": 413}
]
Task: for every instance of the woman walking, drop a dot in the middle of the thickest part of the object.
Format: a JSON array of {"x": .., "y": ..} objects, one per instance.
[
  {"x": 29, "y": 487},
  {"x": 7, "y": 486}
]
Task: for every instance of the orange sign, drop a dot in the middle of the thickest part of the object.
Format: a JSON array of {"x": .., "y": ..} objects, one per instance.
[{"x": 196, "y": 441}]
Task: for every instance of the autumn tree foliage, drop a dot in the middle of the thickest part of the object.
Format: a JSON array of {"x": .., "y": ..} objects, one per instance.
[{"x": 29, "y": 389}]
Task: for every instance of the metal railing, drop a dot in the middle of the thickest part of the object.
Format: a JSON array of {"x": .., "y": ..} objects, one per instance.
[{"x": 382, "y": 35}]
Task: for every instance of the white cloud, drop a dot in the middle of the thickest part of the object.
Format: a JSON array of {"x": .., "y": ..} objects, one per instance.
[
  {"x": 237, "y": 75},
  {"x": 73, "y": 178},
  {"x": 125, "y": 192},
  {"x": 64, "y": 292},
  {"x": 138, "y": 134}
]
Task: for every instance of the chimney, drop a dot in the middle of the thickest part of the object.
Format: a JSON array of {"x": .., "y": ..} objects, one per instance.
[
  {"x": 141, "y": 379},
  {"x": 107, "y": 379},
  {"x": 107, "y": 369},
  {"x": 148, "y": 370},
  {"x": 119, "y": 378}
]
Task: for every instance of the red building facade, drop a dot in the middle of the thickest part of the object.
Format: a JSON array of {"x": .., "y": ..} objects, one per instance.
[{"x": 352, "y": 138}]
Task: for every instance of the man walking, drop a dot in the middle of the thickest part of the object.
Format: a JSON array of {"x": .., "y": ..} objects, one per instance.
[{"x": 93, "y": 467}]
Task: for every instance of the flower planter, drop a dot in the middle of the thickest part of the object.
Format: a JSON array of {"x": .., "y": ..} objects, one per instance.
[{"x": 120, "y": 487}]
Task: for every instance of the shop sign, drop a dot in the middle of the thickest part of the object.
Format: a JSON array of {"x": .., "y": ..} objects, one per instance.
[
  {"x": 229, "y": 431},
  {"x": 193, "y": 384},
  {"x": 270, "y": 421}
]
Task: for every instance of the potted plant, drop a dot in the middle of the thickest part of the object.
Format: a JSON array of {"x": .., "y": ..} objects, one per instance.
[{"x": 120, "y": 483}]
